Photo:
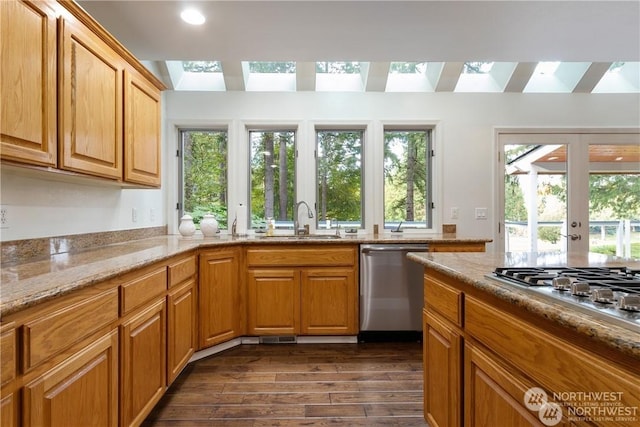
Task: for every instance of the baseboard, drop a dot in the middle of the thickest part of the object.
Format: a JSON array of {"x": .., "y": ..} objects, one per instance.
[{"x": 390, "y": 336}]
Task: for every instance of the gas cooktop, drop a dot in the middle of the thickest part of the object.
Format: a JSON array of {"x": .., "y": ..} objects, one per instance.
[{"x": 613, "y": 292}]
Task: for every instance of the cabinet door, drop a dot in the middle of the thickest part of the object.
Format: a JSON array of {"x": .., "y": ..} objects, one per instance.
[
  {"x": 91, "y": 108},
  {"x": 83, "y": 391},
  {"x": 28, "y": 83},
  {"x": 219, "y": 297},
  {"x": 328, "y": 304},
  {"x": 274, "y": 301},
  {"x": 442, "y": 372},
  {"x": 143, "y": 362},
  {"x": 494, "y": 395},
  {"x": 9, "y": 410},
  {"x": 181, "y": 329},
  {"x": 141, "y": 130}
]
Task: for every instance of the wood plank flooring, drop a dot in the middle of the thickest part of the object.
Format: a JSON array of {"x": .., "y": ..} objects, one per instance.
[{"x": 365, "y": 384}]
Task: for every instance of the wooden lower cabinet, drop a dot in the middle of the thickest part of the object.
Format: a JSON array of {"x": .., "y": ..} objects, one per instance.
[
  {"x": 494, "y": 394},
  {"x": 328, "y": 301},
  {"x": 483, "y": 357},
  {"x": 9, "y": 410},
  {"x": 142, "y": 362},
  {"x": 181, "y": 327},
  {"x": 273, "y": 297},
  {"x": 308, "y": 290},
  {"x": 220, "y": 305},
  {"x": 442, "y": 371},
  {"x": 82, "y": 391}
]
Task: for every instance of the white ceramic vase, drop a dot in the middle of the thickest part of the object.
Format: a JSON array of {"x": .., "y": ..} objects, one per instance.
[
  {"x": 187, "y": 228},
  {"x": 209, "y": 226}
]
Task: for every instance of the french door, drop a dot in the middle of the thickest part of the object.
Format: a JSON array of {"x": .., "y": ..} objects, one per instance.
[{"x": 569, "y": 191}]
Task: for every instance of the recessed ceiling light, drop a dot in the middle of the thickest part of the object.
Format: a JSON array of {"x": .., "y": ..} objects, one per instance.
[{"x": 192, "y": 16}]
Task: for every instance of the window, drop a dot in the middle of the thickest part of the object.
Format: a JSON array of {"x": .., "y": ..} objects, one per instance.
[
  {"x": 272, "y": 177},
  {"x": 339, "y": 178},
  {"x": 204, "y": 174},
  {"x": 407, "y": 178}
]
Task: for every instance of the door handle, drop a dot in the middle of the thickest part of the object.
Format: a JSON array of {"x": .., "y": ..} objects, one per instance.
[{"x": 573, "y": 236}]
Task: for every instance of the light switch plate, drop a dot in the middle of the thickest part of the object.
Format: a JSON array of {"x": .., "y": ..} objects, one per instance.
[{"x": 481, "y": 213}]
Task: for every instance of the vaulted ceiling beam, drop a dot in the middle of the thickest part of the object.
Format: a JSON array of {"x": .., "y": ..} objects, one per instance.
[
  {"x": 235, "y": 75},
  {"x": 592, "y": 77},
  {"x": 520, "y": 77},
  {"x": 449, "y": 76},
  {"x": 305, "y": 76},
  {"x": 377, "y": 75}
]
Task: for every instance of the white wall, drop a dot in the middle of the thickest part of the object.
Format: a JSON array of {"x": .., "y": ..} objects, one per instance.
[{"x": 38, "y": 207}]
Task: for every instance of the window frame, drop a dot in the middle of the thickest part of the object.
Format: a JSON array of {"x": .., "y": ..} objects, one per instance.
[
  {"x": 180, "y": 130},
  {"x": 431, "y": 186},
  {"x": 355, "y": 127},
  {"x": 270, "y": 128}
]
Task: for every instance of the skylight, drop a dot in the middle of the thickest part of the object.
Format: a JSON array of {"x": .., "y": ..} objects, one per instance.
[
  {"x": 202, "y": 66},
  {"x": 546, "y": 68},
  {"x": 477, "y": 67},
  {"x": 408, "y": 68},
  {"x": 338, "y": 67},
  {"x": 272, "y": 67},
  {"x": 344, "y": 76}
]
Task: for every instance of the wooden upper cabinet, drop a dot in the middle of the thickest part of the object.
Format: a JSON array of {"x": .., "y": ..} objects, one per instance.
[
  {"x": 28, "y": 83},
  {"x": 142, "y": 130},
  {"x": 91, "y": 105}
]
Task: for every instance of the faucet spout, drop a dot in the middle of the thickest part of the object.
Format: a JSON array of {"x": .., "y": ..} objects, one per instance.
[{"x": 296, "y": 219}]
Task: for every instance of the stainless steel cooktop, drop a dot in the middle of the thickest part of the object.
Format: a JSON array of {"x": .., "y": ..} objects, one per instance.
[{"x": 612, "y": 292}]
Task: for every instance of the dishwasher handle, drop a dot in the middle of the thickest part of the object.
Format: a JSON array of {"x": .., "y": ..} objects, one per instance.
[{"x": 395, "y": 249}]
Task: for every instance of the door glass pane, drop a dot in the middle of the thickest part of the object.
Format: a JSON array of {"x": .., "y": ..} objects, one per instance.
[
  {"x": 339, "y": 178},
  {"x": 272, "y": 177},
  {"x": 204, "y": 174},
  {"x": 614, "y": 200},
  {"x": 535, "y": 197}
]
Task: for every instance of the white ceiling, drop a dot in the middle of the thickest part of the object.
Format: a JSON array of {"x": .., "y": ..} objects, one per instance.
[{"x": 447, "y": 32}]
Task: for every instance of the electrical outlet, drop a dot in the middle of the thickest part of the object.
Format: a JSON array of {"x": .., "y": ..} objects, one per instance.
[
  {"x": 481, "y": 213},
  {"x": 4, "y": 218},
  {"x": 134, "y": 215},
  {"x": 454, "y": 213}
]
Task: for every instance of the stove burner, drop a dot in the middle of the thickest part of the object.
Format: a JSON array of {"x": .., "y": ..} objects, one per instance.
[{"x": 613, "y": 291}]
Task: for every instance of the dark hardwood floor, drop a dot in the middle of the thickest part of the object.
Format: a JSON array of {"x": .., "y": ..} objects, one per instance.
[{"x": 366, "y": 384}]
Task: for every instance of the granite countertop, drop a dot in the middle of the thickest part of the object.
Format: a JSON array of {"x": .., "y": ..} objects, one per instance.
[
  {"x": 472, "y": 268},
  {"x": 26, "y": 284}
]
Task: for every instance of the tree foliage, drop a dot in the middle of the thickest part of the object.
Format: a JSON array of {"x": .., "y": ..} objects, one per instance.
[
  {"x": 272, "y": 175},
  {"x": 205, "y": 174},
  {"x": 406, "y": 175},
  {"x": 339, "y": 175},
  {"x": 618, "y": 193}
]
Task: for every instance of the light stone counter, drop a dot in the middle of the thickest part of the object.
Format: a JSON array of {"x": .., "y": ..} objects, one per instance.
[
  {"x": 26, "y": 284},
  {"x": 472, "y": 268}
]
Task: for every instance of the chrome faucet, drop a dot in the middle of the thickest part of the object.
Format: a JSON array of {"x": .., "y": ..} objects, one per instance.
[{"x": 296, "y": 219}]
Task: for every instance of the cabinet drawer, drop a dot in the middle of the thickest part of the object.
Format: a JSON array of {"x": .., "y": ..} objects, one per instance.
[
  {"x": 182, "y": 270},
  {"x": 52, "y": 332},
  {"x": 143, "y": 289},
  {"x": 443, "y": 299},
  {"x": 301, "y": 256},
  {"x": 554, "y": 364},
  {"x": 7, "y": 353}
]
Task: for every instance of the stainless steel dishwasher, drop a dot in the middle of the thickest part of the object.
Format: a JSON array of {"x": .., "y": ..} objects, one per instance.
[{"x": 391, "y": 292}]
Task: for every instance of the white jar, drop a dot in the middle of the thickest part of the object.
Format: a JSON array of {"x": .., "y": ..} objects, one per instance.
[
  {"x": 187, "y": 228},
  {"x": 209, "y": 225}
]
